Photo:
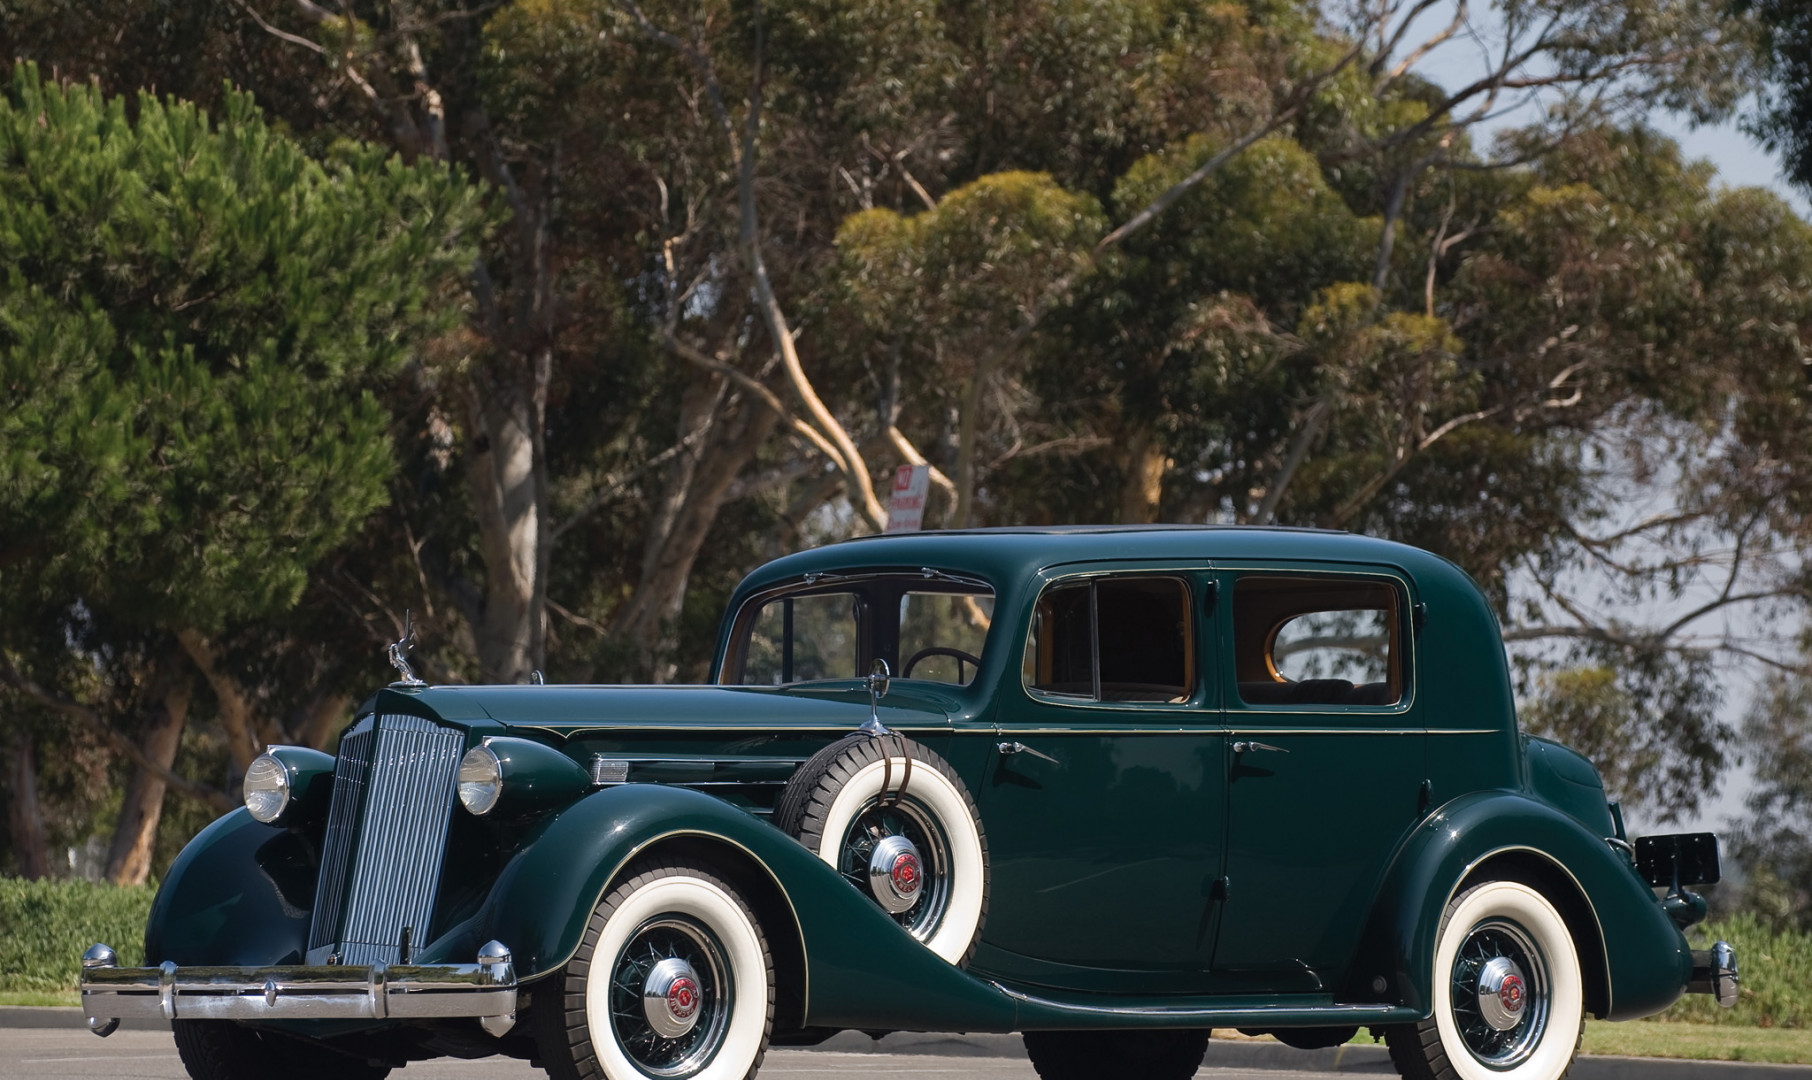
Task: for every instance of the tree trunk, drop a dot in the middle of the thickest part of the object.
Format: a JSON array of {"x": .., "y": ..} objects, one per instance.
[
  {"x": 501, "y": 471},
  {"x": 649, "y": 618},
  {"x": 1142, "y": 463},
  {"x": 238, "y": 717},
  {"x": 31, "y": 847},
  {"x": 135, "y": 836}
]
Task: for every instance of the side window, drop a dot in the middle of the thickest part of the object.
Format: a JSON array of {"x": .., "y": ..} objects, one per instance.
[
  {"x": 1317, "y": 641},
  {"x": 1113, "y": 639}
]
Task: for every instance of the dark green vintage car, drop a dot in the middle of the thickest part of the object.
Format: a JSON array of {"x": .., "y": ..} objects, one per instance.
[{"x": 1123, "y": 786}]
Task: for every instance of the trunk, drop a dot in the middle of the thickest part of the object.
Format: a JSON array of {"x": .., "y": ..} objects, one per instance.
[
  {"x": 650, "y": 616},
  {"x": 237, "y": 715},
  {"x": 1142, "y": 464},
  {"x": 31, "y": 847},
  {"x": 135, "y": 836},
  {"x": 321, "y": 719},
  {"x": 501, "y": 472}
]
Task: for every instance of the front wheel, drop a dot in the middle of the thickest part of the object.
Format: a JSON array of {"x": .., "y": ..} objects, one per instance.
[
  {"x": 1509, "y": 1000},
  {"x": 1090, "y": 1055},
  {"x": 223, "y": 1050},
  {"x": 673, "y": 978}
]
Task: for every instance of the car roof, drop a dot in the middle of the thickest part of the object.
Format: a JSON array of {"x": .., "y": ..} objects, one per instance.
[{"x": 1010, "y": 553}]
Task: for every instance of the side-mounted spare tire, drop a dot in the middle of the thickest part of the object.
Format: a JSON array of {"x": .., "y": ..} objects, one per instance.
[{"x": 894, "y": 819}]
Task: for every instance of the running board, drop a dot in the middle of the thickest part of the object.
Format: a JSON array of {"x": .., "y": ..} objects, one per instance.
[{"x": 1036, "y": 1012}]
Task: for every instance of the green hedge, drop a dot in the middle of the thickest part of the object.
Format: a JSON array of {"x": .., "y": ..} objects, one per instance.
[
  {"x": 1775, "y": 988},
  {"x": 45, "y": 926}
]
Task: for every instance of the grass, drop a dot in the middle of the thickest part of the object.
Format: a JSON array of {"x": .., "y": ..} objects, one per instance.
[
  {"x": 1702, "y": 1042},
  {"x": 40, "y": 997}
]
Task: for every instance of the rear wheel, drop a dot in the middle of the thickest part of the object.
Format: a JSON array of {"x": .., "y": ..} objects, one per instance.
[
  {"x": 672, "y": 979},
  {"x": 1509, "y": 1000},
  {"x": 1090, "y": 1055},
  {"x": 222, "y": 1050}
]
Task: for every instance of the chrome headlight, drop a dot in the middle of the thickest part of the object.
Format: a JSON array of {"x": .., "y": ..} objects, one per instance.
[
  {"x": 267, "y": 788},
  {"x": 480, "y": 779}
]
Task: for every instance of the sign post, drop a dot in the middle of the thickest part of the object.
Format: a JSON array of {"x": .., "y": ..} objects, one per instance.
[{"x": 906, "y": 513}]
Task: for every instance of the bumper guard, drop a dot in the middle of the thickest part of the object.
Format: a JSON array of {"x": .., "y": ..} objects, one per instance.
[
  {"x": 485, "y": 990},
  {"x": 1714, "y": 971}
]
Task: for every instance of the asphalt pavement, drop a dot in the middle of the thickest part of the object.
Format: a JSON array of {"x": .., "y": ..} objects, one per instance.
[{"x": 48, "y": 1044}]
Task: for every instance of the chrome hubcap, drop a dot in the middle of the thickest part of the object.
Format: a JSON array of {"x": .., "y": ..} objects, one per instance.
[
  {"x": 1502, "y": 993},
  {"x": 1499, "y": 993},
  {"x": 670, "y": 994},
  {"x": 898, "y": 854},
  {"x": 670, "y": 998},
  {"x": 895, "y": 874}
]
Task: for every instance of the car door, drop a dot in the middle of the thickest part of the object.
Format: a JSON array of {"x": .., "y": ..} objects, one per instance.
[
  {"x": 1104, "y": 795},
  {"x": 1325, "y": 762}
]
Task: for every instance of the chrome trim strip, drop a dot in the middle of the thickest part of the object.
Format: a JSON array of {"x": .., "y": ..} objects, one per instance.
[
  {"x": 317, "y": 992},
  {"x": 1466, "y": 873},
  {"x": 1334, "y": 1012},
  {"x": 1205, "y": 729}
]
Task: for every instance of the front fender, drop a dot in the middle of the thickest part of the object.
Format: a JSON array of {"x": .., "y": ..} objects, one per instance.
[
  {"x": 862, "y": 969},
  {"x": 1646, "y": 961},
  {"x": 241, "y": 893}
]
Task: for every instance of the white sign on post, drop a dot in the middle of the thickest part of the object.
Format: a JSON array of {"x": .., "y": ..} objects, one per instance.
[{"x": 907, "y": 511}]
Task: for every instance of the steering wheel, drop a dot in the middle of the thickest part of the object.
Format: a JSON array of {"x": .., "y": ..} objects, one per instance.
[{"x": 940, "y": 650}]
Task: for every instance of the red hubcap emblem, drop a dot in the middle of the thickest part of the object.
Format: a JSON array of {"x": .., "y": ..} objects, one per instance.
[
  {"x": 1511, "y": 994},
  {"x": 905, "y": 874},
  {"x": 682, "y": 998}
]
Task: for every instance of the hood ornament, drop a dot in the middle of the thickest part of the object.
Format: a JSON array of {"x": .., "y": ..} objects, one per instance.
[{"x": 399, "y": 653}]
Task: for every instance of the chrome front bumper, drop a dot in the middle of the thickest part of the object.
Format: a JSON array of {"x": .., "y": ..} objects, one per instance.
[
  {"x": 485, "y": 990},
  {"x": 1714, "y": 971}
]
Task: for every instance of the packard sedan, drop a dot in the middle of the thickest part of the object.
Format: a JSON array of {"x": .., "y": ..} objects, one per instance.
[{"x": 1107, "y": 787}]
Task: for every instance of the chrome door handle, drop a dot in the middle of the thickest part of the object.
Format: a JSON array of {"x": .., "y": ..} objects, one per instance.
[
  {"x": 1008, "y": 748},
  {"x": 1243, "y": 746}
]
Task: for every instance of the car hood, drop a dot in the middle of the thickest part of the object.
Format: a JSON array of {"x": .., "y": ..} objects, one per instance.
[{"x": 573, "y": 710}]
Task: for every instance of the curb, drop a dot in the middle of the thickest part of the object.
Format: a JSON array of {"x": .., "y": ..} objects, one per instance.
[{"x": 1353, "y": 1058}]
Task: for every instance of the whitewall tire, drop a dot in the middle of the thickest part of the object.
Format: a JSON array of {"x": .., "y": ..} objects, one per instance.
[
  {"x": 863, "y": 801},
  {"x": 1509, "y": 997},
  {"x": 673, "y": 978}
]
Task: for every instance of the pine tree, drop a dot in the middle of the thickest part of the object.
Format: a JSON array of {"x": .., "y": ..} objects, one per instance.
[{"x": 194, "y": 319}]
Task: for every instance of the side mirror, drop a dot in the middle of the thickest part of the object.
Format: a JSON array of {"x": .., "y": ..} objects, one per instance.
[{"x": 878, "y": 677}]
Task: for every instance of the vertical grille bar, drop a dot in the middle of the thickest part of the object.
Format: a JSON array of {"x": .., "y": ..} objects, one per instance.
[
  {"x": 396, "y": 866},
  {"x": 342, "y": 830}
]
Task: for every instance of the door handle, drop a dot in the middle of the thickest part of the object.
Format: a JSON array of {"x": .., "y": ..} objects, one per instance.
[
  {"x": 1243, "y": 746},
  {"x": 1009, "y": 748}
]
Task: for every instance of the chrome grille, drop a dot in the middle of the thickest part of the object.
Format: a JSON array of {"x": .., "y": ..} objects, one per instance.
[{"x": 387, "y": 832}]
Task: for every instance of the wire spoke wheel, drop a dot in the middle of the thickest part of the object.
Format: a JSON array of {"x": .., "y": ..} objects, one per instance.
[
  {"x": 911, "y": 820},
  {"x": 1509, "y": 994},
  {"x": 650, "y": 949},
  {"x": 1499, "y": 961}
]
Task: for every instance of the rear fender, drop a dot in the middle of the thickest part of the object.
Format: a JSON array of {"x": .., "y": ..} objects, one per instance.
[
  {"x": 1634, "y": 959},
  {"x": 861, "y": 969}
]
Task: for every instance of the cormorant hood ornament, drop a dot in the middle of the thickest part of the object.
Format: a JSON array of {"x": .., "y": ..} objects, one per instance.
[{"x": 399, "y": 653}]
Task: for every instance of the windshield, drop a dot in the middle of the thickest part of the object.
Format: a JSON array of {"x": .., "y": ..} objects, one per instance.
[{"x": 926, "y": 625}]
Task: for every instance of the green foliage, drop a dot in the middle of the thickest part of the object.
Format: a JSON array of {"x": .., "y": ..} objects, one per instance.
[
  {"x": 1774, "y": 842},
  {"x": 194, "y": 319},
  {"x": 45, "y": 926}
]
